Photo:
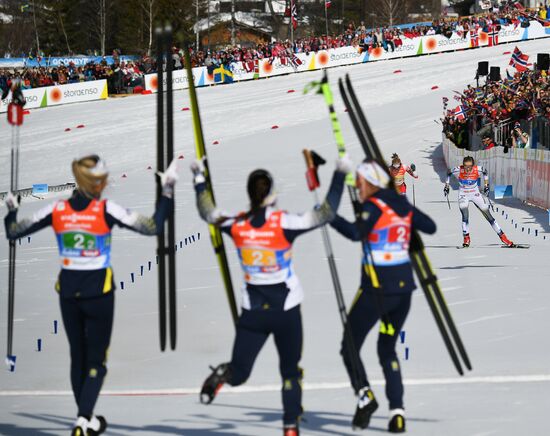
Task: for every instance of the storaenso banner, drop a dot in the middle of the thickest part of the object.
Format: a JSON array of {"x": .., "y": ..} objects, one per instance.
[
  {"x": 62, "y": 94},
  {"x": 79, "y": 61}
]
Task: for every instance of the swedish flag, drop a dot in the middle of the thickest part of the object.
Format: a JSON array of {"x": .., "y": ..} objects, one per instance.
[{"x": 223, "y": 74}]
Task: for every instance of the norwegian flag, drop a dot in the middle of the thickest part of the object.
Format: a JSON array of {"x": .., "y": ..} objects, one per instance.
[
  {"x": 474, "y": 38},
  {"x": 295, "y": 60},
  {"x": 248, "y": 66},
  {"x": 519, "y": 60},
  {"x": 493, "y": 37},
  {"x": 459, "y": 112},
  {"x": 293, "y": 14}
]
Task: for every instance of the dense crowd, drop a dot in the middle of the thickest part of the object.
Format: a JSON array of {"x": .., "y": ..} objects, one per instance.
[
  {"x": 122, "y": 76},
  {"x": 517, "y": 98}
]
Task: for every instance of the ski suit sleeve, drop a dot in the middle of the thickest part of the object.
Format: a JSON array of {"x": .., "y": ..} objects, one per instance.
[
  {"x": 453, "y": 172},
  {"x": 150, "y": 226},
  {"x": 17, "y": 229},
  {"x": 483, "y": 172},
  {"x": 422, "y": 222},
  {"x": 352, "y": 231},
  {"x": 208, "y": 210},
  {"x": 294, "y": 225}
]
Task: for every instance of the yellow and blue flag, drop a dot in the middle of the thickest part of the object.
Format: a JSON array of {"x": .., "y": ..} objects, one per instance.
[{"x": 223, "y": 74}]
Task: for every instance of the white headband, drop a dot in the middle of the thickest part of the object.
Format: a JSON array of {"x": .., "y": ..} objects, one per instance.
[{"x": 374, "y": 174}]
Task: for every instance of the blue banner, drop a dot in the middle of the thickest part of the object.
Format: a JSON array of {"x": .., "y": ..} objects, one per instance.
[
  {"x": 78, "y": 61},
  {"x": 40, "y": 188}
]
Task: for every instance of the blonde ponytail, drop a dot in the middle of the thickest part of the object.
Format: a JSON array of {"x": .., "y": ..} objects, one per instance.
[{"x": 90, "y": 179}]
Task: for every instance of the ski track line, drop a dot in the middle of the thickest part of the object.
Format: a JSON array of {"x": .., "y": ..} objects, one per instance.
[{"x": 495, "y": 379}]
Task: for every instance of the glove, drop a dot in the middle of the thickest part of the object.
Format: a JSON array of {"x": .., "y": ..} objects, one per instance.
[
  {"x": 413, "y": 167},
  {"x": 344, "y": 164},
  {"x": 12, "y": 201},
  {"x": 169, "y": 178},
  {"x": 446, "y": 189},
  {"x": 197, "y": 168},
  {"x": 486, "y": 190}
]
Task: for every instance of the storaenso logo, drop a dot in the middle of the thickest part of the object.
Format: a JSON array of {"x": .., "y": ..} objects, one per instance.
[
  {"x": 80, "y": 92},
  {"x": 505, "y": 33},
  {"x": 455, "y": 41},
  {"x": 407, "y": 47},
  {"x": 28, "y": 99},
  {"x": 352, "y": 55}
]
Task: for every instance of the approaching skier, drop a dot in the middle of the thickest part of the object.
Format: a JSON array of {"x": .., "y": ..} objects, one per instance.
[
  {"x": 83, "y": 225},
  {"x": 468, "y": 175},
  {"x": 386, "y": 284},
  {"x": 272, "y": 293},
  {"x": 398, "y": 171}
]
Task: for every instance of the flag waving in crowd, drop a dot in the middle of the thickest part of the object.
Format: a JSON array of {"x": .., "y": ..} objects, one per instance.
[
  {"x": 293, "y": 14},
  {"x": 519, "y": 60},
  {"x": 459, "y": 112}
]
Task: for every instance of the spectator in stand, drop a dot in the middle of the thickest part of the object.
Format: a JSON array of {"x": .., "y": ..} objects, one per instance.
[
  {"x": 520, "y": 139},
  {"x": 488, "y": 142}
]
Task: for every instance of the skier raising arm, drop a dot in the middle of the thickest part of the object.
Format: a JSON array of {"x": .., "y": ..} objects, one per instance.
[
  {"x": 468, "y": 175},
  {"x": 272, "y": 293},
  {"x": 386, "y": 287},
  {"x": 398, "y": 171},
  {"x": 83, "y": 226}
]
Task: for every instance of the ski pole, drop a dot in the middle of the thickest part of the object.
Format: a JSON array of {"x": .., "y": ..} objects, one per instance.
[
  {"x": 448, "y": 202},
  {"x": 15, "y": 118},
  {"x": 313, "y": 161},
  {"x": 414, "y": 196}
]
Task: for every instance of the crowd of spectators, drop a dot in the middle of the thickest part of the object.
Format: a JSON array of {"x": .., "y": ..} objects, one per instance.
[
  {"x": 123, "y": 76},
  {"x": 508, "y": 103}
]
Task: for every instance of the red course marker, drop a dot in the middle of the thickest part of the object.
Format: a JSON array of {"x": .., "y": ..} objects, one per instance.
[
  {"x": 435, "y": 87},
  {"x": 68, "y": 129},
  {"x": 80, "y": 126},
  {"x": 274, "y": 127},
  {"x": 149, "y": 167},
  {"x": 290, "y": 91},
  {"x": 215, "y": 143},
  {"x": 180, "y": 156},
  {"x": 146, "y": 92},
  {"x": 397, "y": 71},
  {"x": 507, "y": 52},
  {"x": 124, "y": 176},
  {"x": 184, "y": 108}
]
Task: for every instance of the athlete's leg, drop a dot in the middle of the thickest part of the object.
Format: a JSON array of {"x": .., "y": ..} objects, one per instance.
[
  {"x": 288, "y": 335},
  {"x": 398, "y": 307},
  {"x": 73, "y": 321},
  {"x": 463, "y": 202},
  {"x": 362, "y": 317},
  {"x": 483, "y": 206},
  {"x": 98, "y": 313},
  {"x": 251, "y": 336}
]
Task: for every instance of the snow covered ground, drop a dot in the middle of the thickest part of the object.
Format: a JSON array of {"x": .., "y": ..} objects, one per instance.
[{"x": 498, "y": 297}]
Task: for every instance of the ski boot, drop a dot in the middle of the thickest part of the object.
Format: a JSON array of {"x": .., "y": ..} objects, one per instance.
[
  {"x": 366, "y": 406},
  {"x": 397, "y": 421},
  {"x": 505, "y": 240},
  {"x": 291, "y": 430},
  {"x": 466, "y": 242},
  {"x": 211, "y": 386},
  {"x": 96, "y": 426},
  {"x": 80, "y": 427}
]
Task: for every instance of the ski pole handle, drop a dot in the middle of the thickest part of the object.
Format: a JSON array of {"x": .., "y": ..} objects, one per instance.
[{"x": 311, "y": 172}]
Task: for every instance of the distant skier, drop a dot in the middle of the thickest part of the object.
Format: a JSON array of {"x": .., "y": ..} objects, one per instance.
[
  {"x": 83, "y": 225},
  {"x": 386, "y": 285},
  {"x": 468, "y": 175},
  {"x": 398, "y": 171},
  {"x": 272, "y": 293}
]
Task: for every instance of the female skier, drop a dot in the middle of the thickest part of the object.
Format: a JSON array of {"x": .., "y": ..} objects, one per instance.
[
  {"x": 386, "y": 285},
  {"x": 398, "y": 171},
  {"x": 468, "y": 175},
  {"x": 272, "y": 292},
  {"x": 82, "y": 225}
]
